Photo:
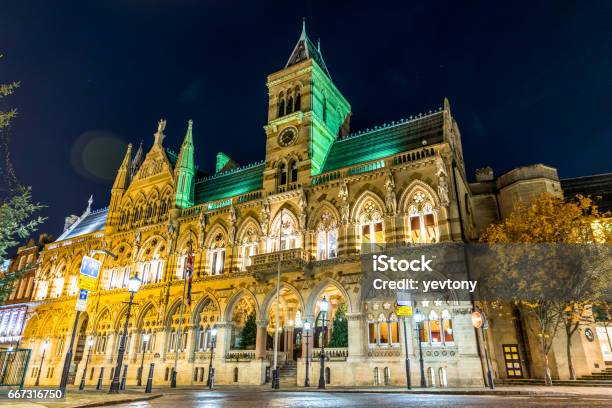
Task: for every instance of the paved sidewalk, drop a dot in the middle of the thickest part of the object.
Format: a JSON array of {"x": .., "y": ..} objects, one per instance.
[
  {"x": 90, "y": 398},
  {"x": 75, "y": 398}
]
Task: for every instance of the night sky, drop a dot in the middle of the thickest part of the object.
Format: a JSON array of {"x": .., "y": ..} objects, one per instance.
[{"x": 528, "y": 83}]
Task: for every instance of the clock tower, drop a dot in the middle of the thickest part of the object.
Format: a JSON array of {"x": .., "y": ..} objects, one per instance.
[{"x": 306, "y": 113}]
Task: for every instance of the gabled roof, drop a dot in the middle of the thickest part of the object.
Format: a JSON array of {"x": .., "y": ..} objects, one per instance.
[
  {"x": 230, "y": 183},
  {"x": 385, "y": 141},
  {"x": 305, "y": 49},
  {"x": 90, "y": 222}
]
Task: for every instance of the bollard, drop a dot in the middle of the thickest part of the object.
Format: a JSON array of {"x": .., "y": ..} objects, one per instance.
[
  {"x": 122, "y": 385},
  {"x": 150, "y": 379},
  {"x": 99, "y": 385}
]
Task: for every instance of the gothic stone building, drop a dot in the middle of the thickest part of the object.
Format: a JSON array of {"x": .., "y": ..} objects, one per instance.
[{"x": 319, "y": 195}]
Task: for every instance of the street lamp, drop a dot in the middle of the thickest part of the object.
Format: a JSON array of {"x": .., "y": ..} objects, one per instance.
[
  {"x": 42, "y": 360},
  {"x": 90, "y": 343},
  {"x": 145, "y": 341},
  {"x": 211, "y": 370},
  {"x": 132, "y": 287},
  {"x": 418, "y": 318},
  {"x": 323, "y": 305},
  {"x": 307, "y": 336}
]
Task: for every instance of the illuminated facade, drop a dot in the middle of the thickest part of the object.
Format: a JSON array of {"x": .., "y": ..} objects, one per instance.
[{"x": 320, "y": 198}]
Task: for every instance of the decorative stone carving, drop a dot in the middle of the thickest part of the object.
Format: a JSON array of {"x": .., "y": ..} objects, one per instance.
[
  {"x": 442, "y": 183},
  {"x": 232, "y": 220},
  {"x": 265, "y": 215},
  {"x": 202, "y": 221},
  {"x": 390, "y": 198},
  {"x": 303, "y": 204}
]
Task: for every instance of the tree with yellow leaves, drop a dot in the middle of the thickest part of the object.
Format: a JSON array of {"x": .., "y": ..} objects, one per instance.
[{"x": 551, "y": 259}]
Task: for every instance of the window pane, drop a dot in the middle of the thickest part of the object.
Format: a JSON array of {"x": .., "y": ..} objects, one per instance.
[
  {"x": 333, "y": 243},
  {"x": 448, "y": 330},
  {"x": 365, "y": 234},
  {"x": 384, "y": 332},
  {"x": 434, "y": 326},
  {"x": 394, "y": 332},
  {"x": 372, "y": 332}
]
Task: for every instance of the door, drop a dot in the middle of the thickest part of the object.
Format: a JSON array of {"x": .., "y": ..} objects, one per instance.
[{"x": 512, "y": 361}]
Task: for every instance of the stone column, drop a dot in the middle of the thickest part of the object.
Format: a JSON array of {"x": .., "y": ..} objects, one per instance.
[
  {"x": 355, "y": 334},
  {"x": 289, "y": 342},
  {"x": 224, "y": 333},
  {"x": 260, "y": 342}
]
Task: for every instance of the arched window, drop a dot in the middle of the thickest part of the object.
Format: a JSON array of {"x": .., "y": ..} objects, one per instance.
[
  {"x": 289, "y": 107},
  {"x": 370, "y": 220},
  {"x": 327, "y": 237},
  {"x": 437, "y": 330},
  {"x": 249, "y": 247},
  {"x": 217, "y": 256},
  {"x": 293, "y": 168},
  {"x": 298, "y": 101},
  {"x": 281, "y": 105},
  {"x": 422, "y": 223},
  {"x": 282, "y": 174},
  {"x": 288, "y": 231},
  {"x": 447, "y": 327},
  {"x": 383, "y": 332}
]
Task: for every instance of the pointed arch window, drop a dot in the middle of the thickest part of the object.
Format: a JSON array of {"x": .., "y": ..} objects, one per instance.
[
  {"x": 288, "y": 233},
  {"x": 437, "y": 330},
  {"x": 383, "y": 332},
  {"x": 422, "y": 225},
  {"x": 282, "y": 174},
  {"x": 249, "y": 247},
  {"x": 281, "y": 105},
  {"x": 327, "y": 237},
  {"x": 217, "y": 256},
  {"x": 293, "y": 169},
  {"x": 371, "y": 227},
  {"x": 298, "y": 101},
  {"x": 289, "y": 107}
]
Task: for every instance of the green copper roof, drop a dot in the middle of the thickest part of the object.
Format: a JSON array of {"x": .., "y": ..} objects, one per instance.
[
  {"x": 230, "y": 183},
  {"x": 385, "y": 141}
]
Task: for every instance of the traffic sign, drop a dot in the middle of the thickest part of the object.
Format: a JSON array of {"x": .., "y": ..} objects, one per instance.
[
  {"x": 81, "y": 303},
  {"x": 403, "y": 310},
  {"x": 90, "y": 270}
]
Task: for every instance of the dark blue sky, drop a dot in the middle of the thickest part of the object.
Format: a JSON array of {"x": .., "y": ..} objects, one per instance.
[{"x": 528, "y": 83}]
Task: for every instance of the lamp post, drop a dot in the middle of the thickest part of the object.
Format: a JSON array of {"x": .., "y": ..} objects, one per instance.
[
  {"x": 418, "y": 318},
  {"x": 42, "y": 360},
  {"x": 322, "y": 314},
  {"x": 145, "y": 342},
  {"x": 133, "y": 286},
  {"x": 90, "y": 343},
  {"x": 211, "y": 370},
  {"x": 307, "y": 336},
  {"x": 479, "y": 321}
]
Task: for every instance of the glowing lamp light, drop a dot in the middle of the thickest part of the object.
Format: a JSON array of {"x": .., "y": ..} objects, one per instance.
[
  {"x": 45, "y": 344},
  {"x": 307, "y": 326},
  {"x": 134, "y": 284},
  {"x": 323, "y": 305},
  {"x": 146, "y": 337},
  {"x": 418, "y": 316},
  {"x": 90, "y": 342},
  {"x": 213, "y": 331}
]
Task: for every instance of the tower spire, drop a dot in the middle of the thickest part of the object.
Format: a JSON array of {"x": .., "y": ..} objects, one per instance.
[
  {"x": 306, "y": 49},
  {"x": 185, "y": 170},
  {"x": 303, "y": 35},
  {"x": 123, "y": 174}
]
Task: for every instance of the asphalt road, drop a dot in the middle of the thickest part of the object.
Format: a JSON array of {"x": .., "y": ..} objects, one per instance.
[{"x": 254, "y": 399}]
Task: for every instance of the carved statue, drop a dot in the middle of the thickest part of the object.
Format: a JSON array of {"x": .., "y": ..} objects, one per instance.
[
  {"x": 303, "y": 204},
  {"x": 172, "y": 229},
  {"x": 137, "y": 238},
  {"x": 442, "y": 183},
  {"x": 265, "y": 215},
  {"x": 343, "y": 193},
  {"x": 202, "y": 221},
  {"x": 161, "y": 125},
  {"x": 390, "y": 198},
  {"x": 232, "y": 219}
]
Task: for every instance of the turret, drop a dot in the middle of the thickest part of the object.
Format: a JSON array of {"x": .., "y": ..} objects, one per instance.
[
  {"x": 122, "y": 181},
  {"x": 184, "y": 171}
]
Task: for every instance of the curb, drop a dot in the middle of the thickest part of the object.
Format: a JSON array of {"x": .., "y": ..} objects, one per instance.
[{"x": 117, "y": 401}]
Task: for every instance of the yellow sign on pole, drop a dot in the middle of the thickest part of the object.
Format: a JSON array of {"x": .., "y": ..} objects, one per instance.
[
  {"x": 90, "y": 269},
  {"x": 403, "y": 311}
]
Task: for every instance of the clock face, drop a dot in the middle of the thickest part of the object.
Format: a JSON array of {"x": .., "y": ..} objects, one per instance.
[
  {"x": 287, "y": 137},
  {"x": 588, "y": 333}
]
